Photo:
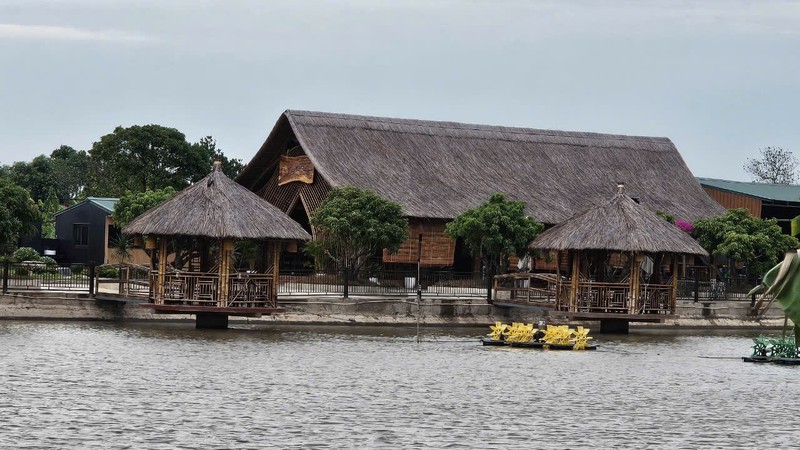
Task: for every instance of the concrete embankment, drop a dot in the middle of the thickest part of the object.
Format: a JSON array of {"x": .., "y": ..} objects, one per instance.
[{"x": 366, "y": 311}]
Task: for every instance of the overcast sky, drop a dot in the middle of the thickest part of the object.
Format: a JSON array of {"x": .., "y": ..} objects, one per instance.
[{"x": 719, "y": 78}]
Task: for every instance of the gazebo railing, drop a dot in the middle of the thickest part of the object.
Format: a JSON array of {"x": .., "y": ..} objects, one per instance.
[
  {"x": 595, "y": 296},
  {"x": 245, "y": 290}
]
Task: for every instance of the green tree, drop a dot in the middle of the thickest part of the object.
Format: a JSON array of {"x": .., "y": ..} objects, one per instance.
[
  {"x": 774, "y": 165},
  {"x": 18, "y": 214},
  {"x": 495, "y": 230},
  {"x": 353, "y": 224},
  {"x": 47, "y": 211},
  {"x": 208, "y": 146},
  {"x": 758, "y": 243},
  {"x": 35, "y": 176},
  {"x": 145, "y": 157},
  {"x": 134, "y": 204},
  {"x": 70, "y": 171}
]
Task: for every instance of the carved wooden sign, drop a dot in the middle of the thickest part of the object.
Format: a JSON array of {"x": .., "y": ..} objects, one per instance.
[{"x": 297, "y": 168}]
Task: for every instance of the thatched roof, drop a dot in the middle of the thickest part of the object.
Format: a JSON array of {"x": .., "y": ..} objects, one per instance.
[
  {"x": 440, "y": 169},
  {"x": 217, "y": 207},
  {"x": 620, "y": 224}
]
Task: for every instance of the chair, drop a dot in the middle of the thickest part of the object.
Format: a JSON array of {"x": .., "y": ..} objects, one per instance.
[{"x": 205, "y": 292}]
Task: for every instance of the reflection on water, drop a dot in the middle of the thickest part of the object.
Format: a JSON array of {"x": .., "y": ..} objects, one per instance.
[{"x": 78, "y": 385}]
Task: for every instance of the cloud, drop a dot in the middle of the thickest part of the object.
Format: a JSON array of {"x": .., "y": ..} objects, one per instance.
[{"x": 54, "y": 33}]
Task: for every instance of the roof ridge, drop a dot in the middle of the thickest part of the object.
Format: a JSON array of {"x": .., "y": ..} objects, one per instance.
[{"x": 444, "y": 124}]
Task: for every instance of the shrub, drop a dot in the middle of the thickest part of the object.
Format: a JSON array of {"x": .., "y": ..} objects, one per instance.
[
  {"x": 76, "y": 269},
  {"x": 107, "y": 272},
  {"x": 21, "y": 271},
  {"x": 26, "y": 254}
]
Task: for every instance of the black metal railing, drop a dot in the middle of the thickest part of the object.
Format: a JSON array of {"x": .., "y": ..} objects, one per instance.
[
  {"x": 382, "y": 282},
  {"x": 25, "y": 276},
  {"x": 724, "y": 289}
]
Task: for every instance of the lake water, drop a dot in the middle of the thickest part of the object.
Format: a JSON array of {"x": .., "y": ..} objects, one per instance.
[{"x": 157, "y": 385}]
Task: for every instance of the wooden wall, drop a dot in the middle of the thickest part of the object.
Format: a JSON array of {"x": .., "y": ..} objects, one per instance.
[
  {"x": 730, "y": 200},
  {"x": 437, "y": 249}
]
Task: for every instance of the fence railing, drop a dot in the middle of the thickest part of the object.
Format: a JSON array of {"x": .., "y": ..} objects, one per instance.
[
  {"x": 132, "y": 280},
  {"x": 383, "y": 282},
  {"x": 26, "y": 276},
  {"x": 731, "y": 289}
]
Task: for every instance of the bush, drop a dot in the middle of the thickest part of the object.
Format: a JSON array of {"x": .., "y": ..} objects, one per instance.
[
  {"x": 21, "y": 271},
  {"x": 107, "y": 272},
  {"x": 76, "y": 269},
  {"x": 26, "y": 254},
  {"x": 51, "y": 264},
  {"x": 48, "y": 260}
]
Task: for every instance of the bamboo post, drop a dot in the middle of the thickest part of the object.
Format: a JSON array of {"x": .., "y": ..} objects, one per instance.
[
  {"x": 226, "y": 248},
  {"x": 576, "y": 275},
  {"x": 635, "y": 284},
  {"x": 276, "y": 260},
  {"x": 558, "y": 279},
  {"x": 162, "y": 270},
  {"x": 674, "y": 284}
]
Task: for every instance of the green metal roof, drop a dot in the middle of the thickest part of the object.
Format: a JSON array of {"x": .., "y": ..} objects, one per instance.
[
  {"x": 765, "y": 191},
  {"x": 105, "y": 203}
]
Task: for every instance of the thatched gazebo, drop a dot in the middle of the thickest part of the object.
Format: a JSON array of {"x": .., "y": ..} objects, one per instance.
[
  {"x": 192, "y": 237},
  {"x": 623, "y": 261}
]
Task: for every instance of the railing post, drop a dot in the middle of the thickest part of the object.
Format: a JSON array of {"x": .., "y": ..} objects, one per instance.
[
  {"x": 346, "y": 282},
  {"x": 489, "y": 281},
  {"x": 5, "y": 276},
  {"x": 696, "y": 286},
  {"x": 91, "y": 278}
]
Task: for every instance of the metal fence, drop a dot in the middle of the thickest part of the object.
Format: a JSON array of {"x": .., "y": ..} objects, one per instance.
[
  {"x": 383, "y": 282},
  {"x": 40, "y": 276},
  {"x": 729, "y": 289}
]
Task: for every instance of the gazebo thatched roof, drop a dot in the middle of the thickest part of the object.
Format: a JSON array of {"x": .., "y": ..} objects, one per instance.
[
  {"x": 217, "y": 207},
  {"x": 438, "y": 170},
  {"x": 620, "y": 224}
]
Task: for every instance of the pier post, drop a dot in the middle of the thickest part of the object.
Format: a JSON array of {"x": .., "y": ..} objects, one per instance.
[
  {"x": 5, "y": 277},
  {"x": 614, "y": 326},
  {"x": 91, "y": 278},
  {"x": 213, "y": 321}
]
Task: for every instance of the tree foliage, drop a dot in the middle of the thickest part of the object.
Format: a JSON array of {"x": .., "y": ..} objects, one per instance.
[
  {"x": 36, "y": 176},
  {"x": 18, "y": 214},
  {"x": 134, "y": 204},
  {"x": 145, "y": 157},
  {"x": 495, "y": 230},
  {"x": 62, "y": 175},
  {"x": 759, "y": 243},
  {"x": 70, "y": 170},
  {"x": 774, "y": 165},
  {"x": 47, "y": 212},
  {"x": 353, "y": 224},
  {"x": 230, "y": 166}
]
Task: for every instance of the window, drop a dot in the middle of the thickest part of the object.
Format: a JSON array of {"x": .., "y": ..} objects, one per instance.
[{"x": 80, "y": 234}]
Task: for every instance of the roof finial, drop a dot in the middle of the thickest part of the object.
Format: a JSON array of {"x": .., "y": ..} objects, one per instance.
[
  {"x": 620, "y": 188},
  {"x": 217, "y": 166}
]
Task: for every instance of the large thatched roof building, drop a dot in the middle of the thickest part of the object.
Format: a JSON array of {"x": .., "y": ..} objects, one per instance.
[{"x": 436, "y": 170}]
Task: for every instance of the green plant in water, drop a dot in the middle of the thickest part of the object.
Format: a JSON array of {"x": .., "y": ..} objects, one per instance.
[
  {"x": 782, "y": 347},
  {"x": 760, "y": 346}
]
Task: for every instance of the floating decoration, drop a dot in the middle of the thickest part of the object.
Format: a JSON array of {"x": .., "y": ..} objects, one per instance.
[{"x": 527, "y": 336}]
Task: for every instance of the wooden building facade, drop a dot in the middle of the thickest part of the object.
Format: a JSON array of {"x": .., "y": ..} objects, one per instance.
[
  {"x": 762, "y": 200},
  {"x": 436, "y": 170}
]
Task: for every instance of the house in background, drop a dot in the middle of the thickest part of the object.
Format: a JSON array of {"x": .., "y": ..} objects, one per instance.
[
  {"x": 83, "y": 231},
  {"x": 437, "y": 170},
  {"x": 762, "y": 200}
]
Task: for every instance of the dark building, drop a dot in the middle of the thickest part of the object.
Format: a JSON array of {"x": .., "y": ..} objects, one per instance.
[
  {"x": 83, "y": 231},
  {"x": 762, "y": 200}
]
